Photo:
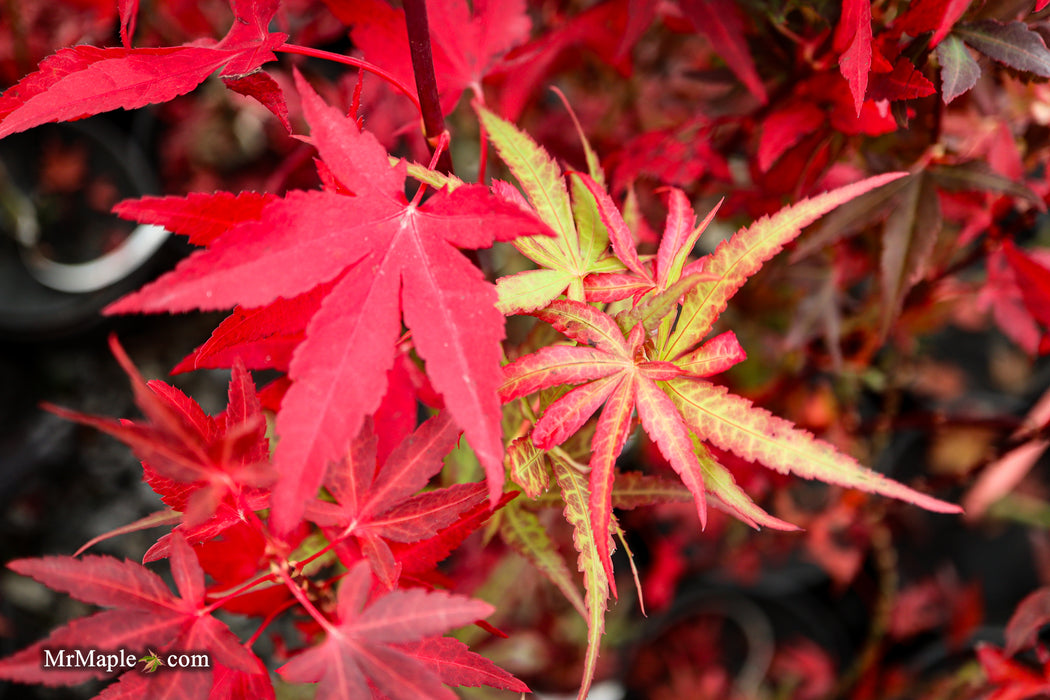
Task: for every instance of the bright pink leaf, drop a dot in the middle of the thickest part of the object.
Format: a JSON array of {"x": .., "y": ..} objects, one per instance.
[
  {"x": 853, "y": 37},
  {"x": 584, "y": 324},
  {"x": 201, "y": 217},
  {"x": 679, "y": 236},
  {"x": 566, "y": 416},
  {"x": 1002, "y": 476},
  {"x": 556, "y": 364},
  {"x": 619, "y": 235},
  {"x": 716, "y": 355},
  {"x": 608, "y": 441},
  {"x": 734, "y": 424},
  {"x": 665, "y": 425}
]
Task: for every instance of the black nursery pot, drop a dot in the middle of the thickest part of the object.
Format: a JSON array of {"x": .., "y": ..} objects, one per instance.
[{"x": 63, "y": 254}]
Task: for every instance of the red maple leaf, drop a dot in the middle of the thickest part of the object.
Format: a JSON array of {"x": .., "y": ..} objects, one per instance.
[
  {"x": 607, "y": 29},
  {"x": 1012, "y": 679},
  {"x": 392, "y": 645},
  {"x": 938, "y": 16},
  {"x": 208, "y": 469},
  {"x": 1033, "y": 279},
  {"x": 678, "y": 155},
  {"x": 467, "y": 43},
  {"x": 143, "y": 614},
  {"x": 853, "y": 38},
  {"x": 422, "y": 556},
  {"x": 263, "y": 337},
  {"x": 201, "y": 217},
  {"x": 266, "y": 338},
  {"x": 84, "y": 80},
  {"x": 375, "y": 505},
  {"x": 785, "y": 127},
  {"x": 397, "y": 260},
  {"x": 904, "y": 82}
]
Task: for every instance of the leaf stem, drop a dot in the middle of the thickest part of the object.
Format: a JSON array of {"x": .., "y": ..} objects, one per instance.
[
  {"x": 483, "y": 136},
  {"x": 273, "y": 614},
  {"x": 300, "y": 595},
  {"x": 243, "y": 588},
  {"x": 357, "y": 63},
  {"x": 426, "y": 81},
  {"x": 439, "y": 150},
  {"x": 321, "y": 552}
]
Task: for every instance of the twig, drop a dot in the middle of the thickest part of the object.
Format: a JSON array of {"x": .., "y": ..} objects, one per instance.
[{"x": 426, "y": 81}]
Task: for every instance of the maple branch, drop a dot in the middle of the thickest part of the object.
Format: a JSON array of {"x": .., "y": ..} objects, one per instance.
[
  {"x": 426, "y": 81},
  {"x": 357, "y": 63}
]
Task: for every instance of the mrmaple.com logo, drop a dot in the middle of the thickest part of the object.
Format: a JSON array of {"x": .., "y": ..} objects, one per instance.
[{"x": 121, "y": 659}]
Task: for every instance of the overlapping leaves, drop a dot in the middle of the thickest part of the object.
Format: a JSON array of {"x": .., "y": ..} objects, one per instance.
[
  {"x": 142, "y": 613},
  {"x": 646, "y": 362},
  {"x": 394, "y": 260},
  {"x": 391, "y": 644},
  {"x": 207, "y": 470},
  {"x": 377, "y": 505},
  {"x": 647, "y": 358}
]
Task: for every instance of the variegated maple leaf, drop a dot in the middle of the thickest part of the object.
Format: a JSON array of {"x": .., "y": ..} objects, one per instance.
[
  {"x": 579, "y": 245},
  {"x": 651, "y": 360}
]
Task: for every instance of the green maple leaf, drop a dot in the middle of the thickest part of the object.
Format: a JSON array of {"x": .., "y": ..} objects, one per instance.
[{"x": 152, "y": 662}]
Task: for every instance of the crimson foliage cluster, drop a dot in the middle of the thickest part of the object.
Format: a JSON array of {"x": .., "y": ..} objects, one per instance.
[{"x": 378, "y": 287}]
